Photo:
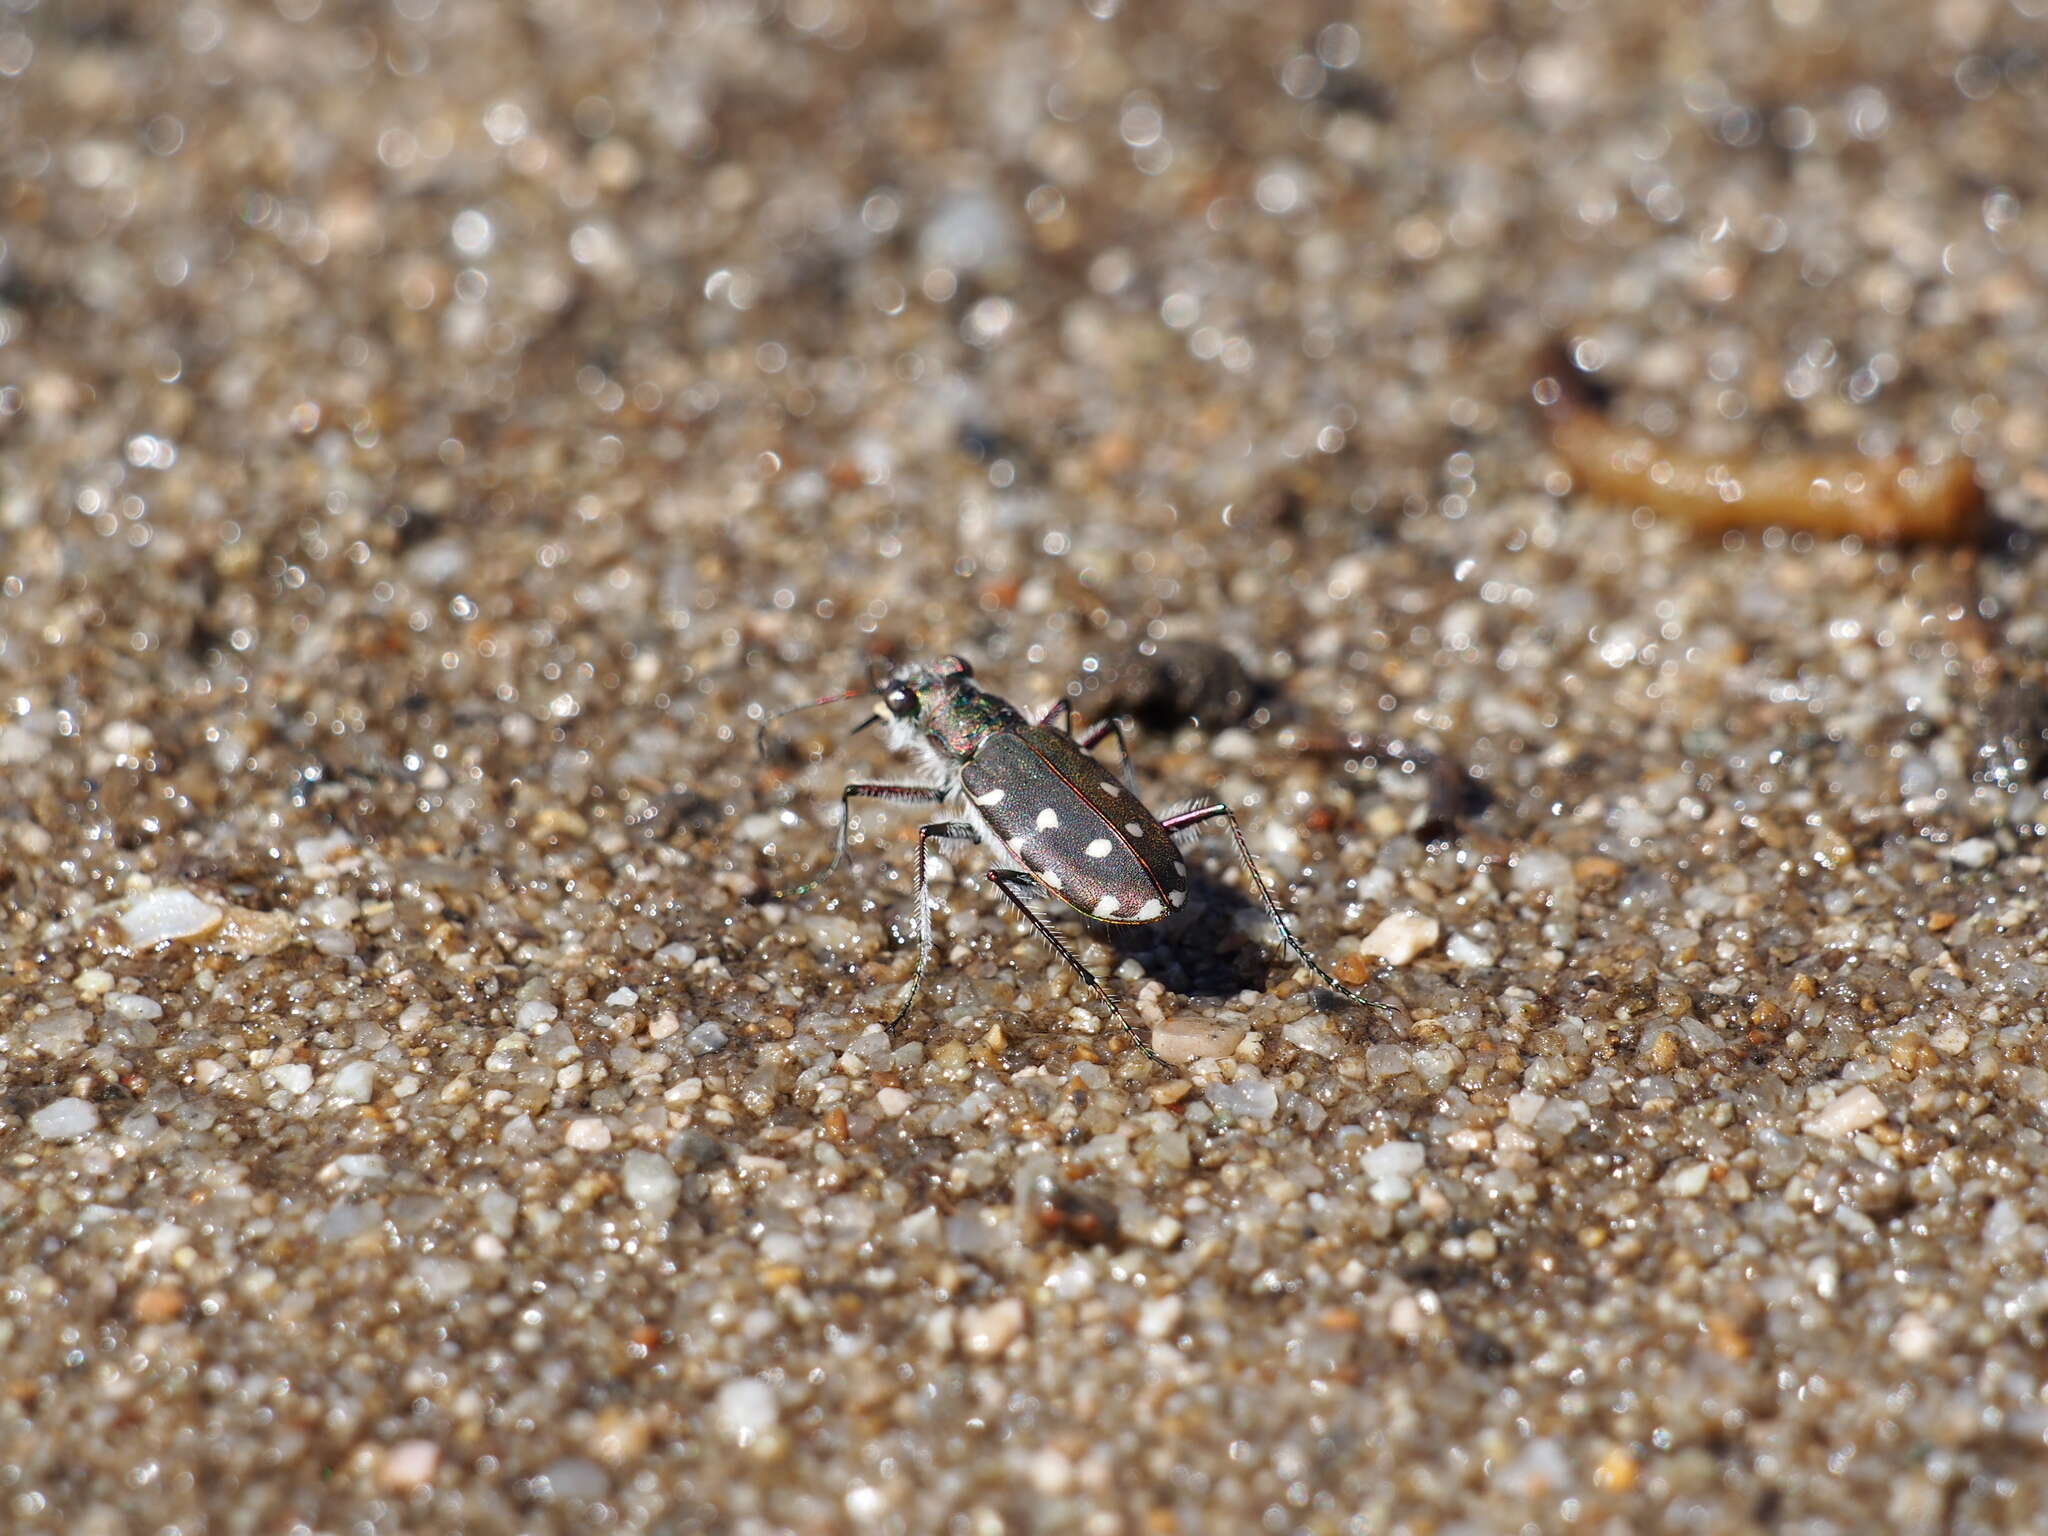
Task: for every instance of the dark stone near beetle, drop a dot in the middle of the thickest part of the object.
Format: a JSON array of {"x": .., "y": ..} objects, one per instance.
[
  {"x": 694, "y": 1148},
  {"x": 1181, "y": 682},
  {"x": 1080, "y": 1217},
  {"x": 1456, "y": 796}
]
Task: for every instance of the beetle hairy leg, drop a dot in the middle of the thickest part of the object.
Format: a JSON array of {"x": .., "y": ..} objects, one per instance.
[
  {"x": 1092, "y": 736},
  {"x": 902, "y": 794},
  {"x": 1186, "y": 818},
  {"x": 937, "y": 831},
  {"x": 1014, "y": 883}
]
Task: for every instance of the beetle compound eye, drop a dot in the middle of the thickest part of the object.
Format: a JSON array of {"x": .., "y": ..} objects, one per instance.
[{"x": 902, "y": 702}]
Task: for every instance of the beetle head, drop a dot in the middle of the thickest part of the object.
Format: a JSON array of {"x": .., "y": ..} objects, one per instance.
[
  {"x": 916, "y": 692},
  {"x": 937, "y": 705},
  {"x": 933, "y": 704}
]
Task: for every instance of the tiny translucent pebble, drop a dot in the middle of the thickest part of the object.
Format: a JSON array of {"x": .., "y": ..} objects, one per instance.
[
  {"x": 968, "y": 232},
  {"x": 574, "y": 1477},
  {"x": 331, "y": 911},
  {"x": 60, "y": 1034},
  {"x": 349, "y": 1219},
  {"x": 64, "y": 1120},
  {"x": 322, "y": 853},
  {"x": 651, "y": 1184},
  {"x": 1845, "y": 1114},
  {"x": 1915, "y": 1338},
  {"x": 1158, "y": 1317},
  {"x": 157, "y": 917},
  {"x": 1540, "y": 870},
  {"x": 1249, "y": 1098},
  {"x": 18, "y": 745},
  {"x": 893, "y": 1101},
  {"x": 1690, "y": 1180},
  {"x": 127, "y": 736},
  {"x": 1190, "y": 1037},
  {"x": 353, "y": 1083},
  {"x": 1974, "y": 853},
  {"x": 1402, "y": 937},
  {"x": 588, "y": 1134},
  {"x": 408, "y": 1465},
  {"x": 864, "y": 1503},
  {"x": 1386, "y": 1059},
  {"x": 1315, "y": 1036},
  {"x": 746, "y": 1409},
  {"x": 1391, "y": 1191},
  {"x": 988, "y": 1331},
  {"x": 1469, "y": 954},
  {"x": 443, "y": 1279},
  {"x": 1394, "y": 1160}
]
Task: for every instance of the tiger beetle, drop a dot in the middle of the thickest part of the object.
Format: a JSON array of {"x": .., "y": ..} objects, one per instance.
[{"x": 1057, "y": 819}]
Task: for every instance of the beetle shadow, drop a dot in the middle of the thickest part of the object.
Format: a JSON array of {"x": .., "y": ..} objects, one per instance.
[{"x": 1201, "y": 954}]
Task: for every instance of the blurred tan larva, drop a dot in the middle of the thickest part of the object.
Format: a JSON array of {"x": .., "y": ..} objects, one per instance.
[{"x": 1890, "y": 500}]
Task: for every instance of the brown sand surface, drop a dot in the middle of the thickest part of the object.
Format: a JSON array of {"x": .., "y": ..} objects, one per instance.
[{"x": 432, "y": 431}]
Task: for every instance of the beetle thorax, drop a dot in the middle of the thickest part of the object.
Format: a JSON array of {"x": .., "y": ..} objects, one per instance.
[{"x": 957, "y": 717}]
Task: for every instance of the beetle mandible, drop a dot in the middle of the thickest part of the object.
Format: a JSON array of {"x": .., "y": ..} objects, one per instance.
[{"x": 1057, "y": 820}]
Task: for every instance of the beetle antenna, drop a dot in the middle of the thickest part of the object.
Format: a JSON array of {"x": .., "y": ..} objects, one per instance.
[{"x": 761, "y": 730}]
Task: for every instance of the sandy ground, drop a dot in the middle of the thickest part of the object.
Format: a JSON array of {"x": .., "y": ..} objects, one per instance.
[{"x": 432, "y": 432}]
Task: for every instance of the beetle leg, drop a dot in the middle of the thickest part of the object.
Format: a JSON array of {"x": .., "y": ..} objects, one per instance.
[
  {"x": 952, "y": 831},
  {"x": 903, "y": 794},
  {"x": 1183, "y": 818},
  {"x": 1086, "y": 741},
  {"x": 1111, "y": 727},
  {"x": 1013, "y": 883},
  {"x": 1101, "y": 728}
]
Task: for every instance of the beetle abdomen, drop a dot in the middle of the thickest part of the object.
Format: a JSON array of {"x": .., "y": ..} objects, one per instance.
[{"x": 1070, "y": 821}]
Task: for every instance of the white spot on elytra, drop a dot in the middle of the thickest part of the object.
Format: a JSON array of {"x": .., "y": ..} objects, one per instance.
[
  {"x": 1052, "y": 879},
  {"x": 993, "y": 797},
  {"x": 1179, "y": 868},
  {"x": 1136, "y": 829},
  {"x": 1178, "y": 898},
  {"x": 1150, "y": 910},
  {"x": 1048, "y": 818},
  {"x": 1111, "y": 787},
  {"x": 1099, "y": 849},
  {"x": 1107, "y": 906}
]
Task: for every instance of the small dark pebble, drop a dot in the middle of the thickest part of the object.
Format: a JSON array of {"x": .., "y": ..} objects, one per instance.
[
  {"x": 1484, "y": 1350},
  {"x": 1077, "y": 1216},
  {"x": 1181, "y": 682},
  {"x": 660, "y": 817},
  {"x": 1455, "y": 797},
  {"x": 695, "y": 1148}
]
